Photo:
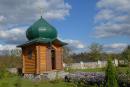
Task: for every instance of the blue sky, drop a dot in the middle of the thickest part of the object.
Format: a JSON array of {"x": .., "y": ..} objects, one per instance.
[
  {"x": 79, "y": 22},
  {"x": 80, "y": 25}
]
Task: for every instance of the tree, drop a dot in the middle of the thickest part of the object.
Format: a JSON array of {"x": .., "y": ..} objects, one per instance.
[
  {"x": 111, "y": 80},
  {"x": 126, "y": 54},
  {"x": 95, "y": 51},
  {"x": 67, "y": 55},
  {"x": 11, "y": 59}
]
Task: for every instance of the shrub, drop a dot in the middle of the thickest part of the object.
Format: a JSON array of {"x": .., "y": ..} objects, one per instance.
[
  {"x": 123, "y": 65},
  {"x": 111, "y": 79},
  {"x": 4, "y": 74}
]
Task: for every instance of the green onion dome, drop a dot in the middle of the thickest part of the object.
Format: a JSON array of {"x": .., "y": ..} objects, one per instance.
[{"x": 41, "y": 29}]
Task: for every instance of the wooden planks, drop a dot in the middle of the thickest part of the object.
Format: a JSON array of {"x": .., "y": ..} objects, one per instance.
[
  {"x": 59, "y": 60},
  {"x": 41, "y": 59},
  {"x": 29, "y": 65},
  {"x": 43, "y": 53},
  {"x": 48, "y": 60}
]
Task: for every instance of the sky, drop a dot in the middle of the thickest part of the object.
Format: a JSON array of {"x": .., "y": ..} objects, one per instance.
[{"x": 78, "y": 22}]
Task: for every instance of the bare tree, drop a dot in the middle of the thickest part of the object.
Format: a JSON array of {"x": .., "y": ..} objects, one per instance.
[
  {"x": 67, "y": 55},
  {"x": 95, "y": 51}
]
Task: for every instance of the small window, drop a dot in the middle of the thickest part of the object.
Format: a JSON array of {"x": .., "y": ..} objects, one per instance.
[{"x": 30, "y": 52}]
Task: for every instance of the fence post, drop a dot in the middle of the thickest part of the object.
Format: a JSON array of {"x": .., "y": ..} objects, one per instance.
[
  {"x": 116, "y": 62},
  {"x": 82, "y": 64},
  {"x": 99, "y": 64}
]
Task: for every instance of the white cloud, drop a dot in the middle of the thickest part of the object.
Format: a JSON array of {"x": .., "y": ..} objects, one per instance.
[
  {"x": 112, "y": 29},
  {"x": 115, "y": 47},
  {"x": 7, "y": 47},
  {"x": 15, "y": 13},
  {"x": 2, "y": 19},
  {"x": 75, "y": 45},
  {"x": 113, "y": 18},
  {"x": 104, "y": 15},
  {"x": 13, "y": 36},
  {"x": 119, "y": 4},
  {"x": 26, "y": 11}
]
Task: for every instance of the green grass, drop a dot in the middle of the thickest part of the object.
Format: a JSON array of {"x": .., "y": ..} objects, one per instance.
[
  {"x": 122, "y": 69},
  {"x": 17, "y": 82},
  {"x": 87, "y": 70},
  {"x": 119, "y": 69}
]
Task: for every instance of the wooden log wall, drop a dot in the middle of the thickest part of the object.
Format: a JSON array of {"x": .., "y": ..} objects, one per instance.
[
  {"x": 29, "y": 64},
  {"x": 41, "y": 59}
]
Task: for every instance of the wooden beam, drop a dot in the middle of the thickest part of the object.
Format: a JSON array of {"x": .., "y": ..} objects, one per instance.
[
  {"x": 37, "y": 60},
  {"x": 23, "y": 64}
]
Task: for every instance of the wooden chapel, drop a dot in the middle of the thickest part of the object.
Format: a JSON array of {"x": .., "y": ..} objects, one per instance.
[{"x": 43, "y": 51}]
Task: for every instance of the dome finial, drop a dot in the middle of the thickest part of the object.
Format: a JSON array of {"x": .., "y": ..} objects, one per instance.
[
  {"x": 41, "y": 11},
  {"x": 41, "y": 16}
]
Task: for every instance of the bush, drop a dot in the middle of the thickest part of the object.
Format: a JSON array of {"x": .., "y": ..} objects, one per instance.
[
  {"x": 111, "y": 79},
  {"x": 123, "y": 65},
  {"x": 4, "y": 74}
]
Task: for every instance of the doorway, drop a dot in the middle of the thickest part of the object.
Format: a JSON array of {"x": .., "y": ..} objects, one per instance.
[{"x": 53, "y": 59}]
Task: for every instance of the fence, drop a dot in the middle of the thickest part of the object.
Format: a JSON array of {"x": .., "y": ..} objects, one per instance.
[{"x": 86, "y": 65}]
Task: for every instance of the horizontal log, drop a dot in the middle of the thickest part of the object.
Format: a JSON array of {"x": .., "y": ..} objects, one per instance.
[
  {"x": 27, "y": 67},
  {"x": 30, "y": 64},
  {"x": 28, "y": 71}
]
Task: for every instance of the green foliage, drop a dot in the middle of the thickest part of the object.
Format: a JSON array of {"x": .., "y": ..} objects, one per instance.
[
  {"x": 4, "y": 74},
  {"x": 4, "y": 84},
  {"x": 126, "y": 54},
  {"x": 18, "y": 82},
  {"x": 111, "y": 75},
  {"x": 70, "y": 70},
  {"x": 95, "y": 51},
  {"x": 123, "y": 65},
  {"x": 80, "y": 84}
]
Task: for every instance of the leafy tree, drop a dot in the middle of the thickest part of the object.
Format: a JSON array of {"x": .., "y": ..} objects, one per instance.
[
  {"x": 111, "y": 80},
  {"x": 126, "y": 54},
  {"x": 95, "y": 51}
]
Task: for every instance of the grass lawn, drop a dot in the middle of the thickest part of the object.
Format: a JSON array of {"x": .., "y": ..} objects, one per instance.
[
  {"x": 16, "y": 82},
  {"x": 87, "y": 70},
  {"x": 119, "y": 69},
  {"x": 123, "y": 69}
]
